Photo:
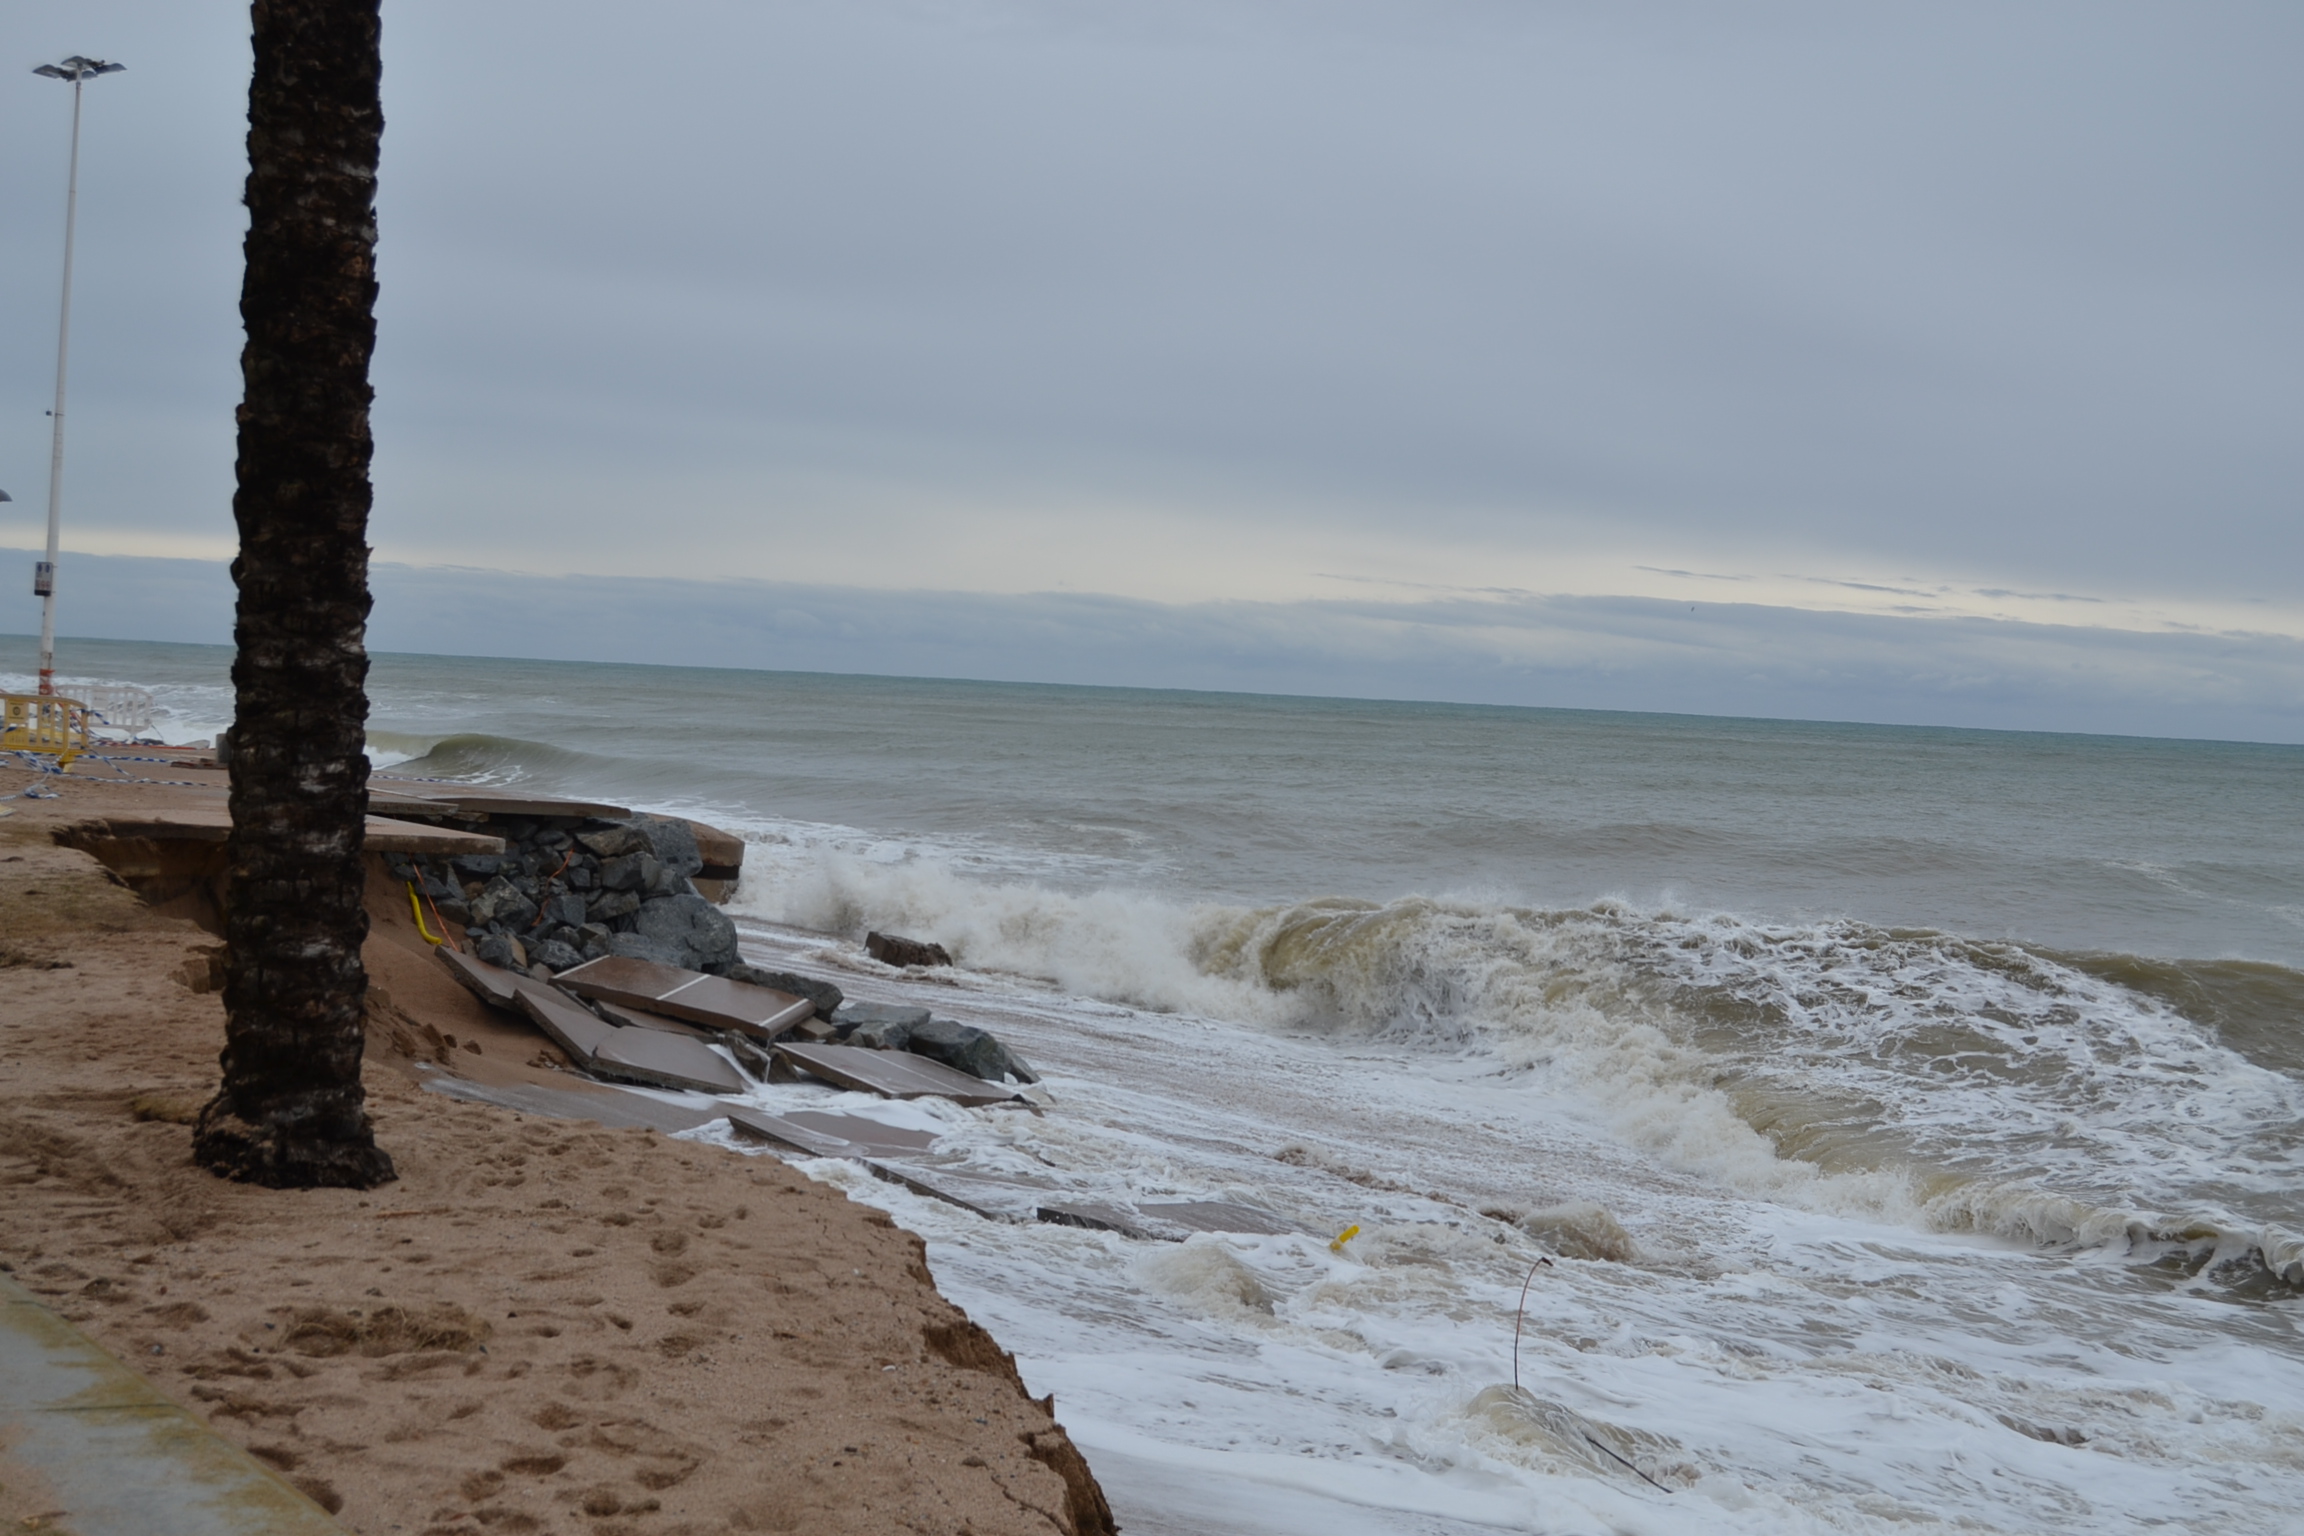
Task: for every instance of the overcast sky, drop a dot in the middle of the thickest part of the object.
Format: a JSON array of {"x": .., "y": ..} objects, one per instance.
[{"x": 1937, "y": 312}]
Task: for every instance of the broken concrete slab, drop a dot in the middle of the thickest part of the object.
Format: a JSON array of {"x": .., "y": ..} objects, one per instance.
[
  {"x": 471, "y": 799},
  {"x": 893, "y": 1074},
  {"x": 1164, "y": 1221},
  {"x": 640, "y": 1018},
  {"x": 213, "y": 824},
  {"x": 659, "y": 1060},
  {"x": 713, "y": 1001},
  {"x": 993, "y": 1196},
  {"x": 570, "y": 1025},
  {"x": 1097, "y": 1216},
  {"x": 822, "y": 1135},
  {"x": 1217, "y": 1216},
  {"x": 492, "y": 984}
]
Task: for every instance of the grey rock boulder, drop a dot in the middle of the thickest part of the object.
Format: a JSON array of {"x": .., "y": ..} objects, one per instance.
[
  {"x": 964, "y": 1046},
  {"x": 879, "y": 1035},
  {"x": 501, "y": 950},
  {"x": 555, "y": 956},
  {"x": 476, "y": 866},
  {"x": 851, "y": 1016},
  {"x": 629, "y": 871},
  {"x": 502, "y": 903},
  {"x": 666, "y": 881},
  {"x": 672, "y": 842},
  {"x": 640, "y": 947},
  {"x": 613, "y": 842},
  {"x": 607, "y": 906},
  {"x": 894, "y": 949},
  {"x": 704, "y": 932}
]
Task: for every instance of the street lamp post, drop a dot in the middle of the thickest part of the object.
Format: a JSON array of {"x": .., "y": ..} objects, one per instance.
[{"x": 77, "y": 70}]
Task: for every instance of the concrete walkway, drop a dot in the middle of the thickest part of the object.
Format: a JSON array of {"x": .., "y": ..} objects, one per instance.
[{"x": 87, "y": 1447}]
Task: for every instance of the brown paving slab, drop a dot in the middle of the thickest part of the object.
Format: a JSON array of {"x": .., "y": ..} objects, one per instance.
[
  {"x": 492, "y": 984},
  {"x": 893, "y": 1074},
  {"x": 389, "y": 835},
  {"x": 625, "y": 979},
  {"x": 641, "y": 1018},
  {"x": 572, "y": 1027},
  {"x": 825, "y": 1135},
  {"x": 988, "y": 1195},
  {"x": 665, "y": 1061},
  {"x": 713, "y": 1001},
  {"x": 762, "y": 1012}
]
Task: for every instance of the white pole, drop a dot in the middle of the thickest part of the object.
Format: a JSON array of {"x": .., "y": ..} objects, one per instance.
[{"x": 47, "y": 572}]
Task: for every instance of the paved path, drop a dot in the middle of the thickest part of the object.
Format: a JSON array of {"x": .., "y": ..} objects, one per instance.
[{"x": 89, "y": 1448}]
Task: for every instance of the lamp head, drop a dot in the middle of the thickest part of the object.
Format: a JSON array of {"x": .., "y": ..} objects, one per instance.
[{"x": 78, "y": 68}]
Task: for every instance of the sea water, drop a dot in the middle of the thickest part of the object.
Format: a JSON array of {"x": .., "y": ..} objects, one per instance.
[{"x": 1912, "y": 1120}]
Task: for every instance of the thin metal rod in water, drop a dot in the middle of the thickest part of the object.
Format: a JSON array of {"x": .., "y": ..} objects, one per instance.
[{"x": 1520, "y": 1315}]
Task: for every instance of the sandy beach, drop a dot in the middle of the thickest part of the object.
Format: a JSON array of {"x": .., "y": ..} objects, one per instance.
[{"x": 542, "y": 1326}]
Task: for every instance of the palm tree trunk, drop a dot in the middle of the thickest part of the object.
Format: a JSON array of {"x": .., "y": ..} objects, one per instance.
[{"x": 291, "y": 1111}]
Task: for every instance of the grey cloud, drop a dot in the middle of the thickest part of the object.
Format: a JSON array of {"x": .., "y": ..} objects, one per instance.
[
  {"x": 1588, "y": 653},
  {"x": 2008, "y": 294}
]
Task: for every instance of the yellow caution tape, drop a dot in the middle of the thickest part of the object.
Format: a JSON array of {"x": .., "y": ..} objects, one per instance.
[{"x": 1343, "y": 1237}]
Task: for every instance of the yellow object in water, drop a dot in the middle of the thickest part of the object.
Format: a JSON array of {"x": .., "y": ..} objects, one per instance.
[
  {"x": 1343, "y": 1237},
  {"x": 41, "y": 722}
]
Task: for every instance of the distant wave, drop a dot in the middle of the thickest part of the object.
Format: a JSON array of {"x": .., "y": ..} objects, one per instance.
[
  {"x": 1913, "y": 1076},
  {"x": 483, "y": 759}
]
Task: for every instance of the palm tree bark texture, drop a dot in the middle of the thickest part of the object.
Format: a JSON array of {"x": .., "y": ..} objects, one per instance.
[{"x": 291, "y": 1111}]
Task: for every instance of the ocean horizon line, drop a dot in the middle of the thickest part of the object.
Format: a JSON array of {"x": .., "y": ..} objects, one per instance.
[{"x": 1243, "y": 696}]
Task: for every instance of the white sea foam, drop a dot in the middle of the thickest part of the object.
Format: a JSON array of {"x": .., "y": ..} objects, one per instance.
[
  {"x": 1776, "y": 1364},
  {"x": 1921, "y": 1080}
]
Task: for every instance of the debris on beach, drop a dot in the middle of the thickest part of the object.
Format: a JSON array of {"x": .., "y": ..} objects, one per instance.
[
  {"x": 715, "y": 1002},
  {"x": 629, "y": 1020}
]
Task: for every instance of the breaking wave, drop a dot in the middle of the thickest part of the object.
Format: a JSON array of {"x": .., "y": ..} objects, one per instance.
[
  {"x": 2074, "y": 1103},
  {"x": 482, "y": 759}
]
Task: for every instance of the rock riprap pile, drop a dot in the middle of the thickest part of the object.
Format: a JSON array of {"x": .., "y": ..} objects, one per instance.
[{"x": 566, "y": 890}]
